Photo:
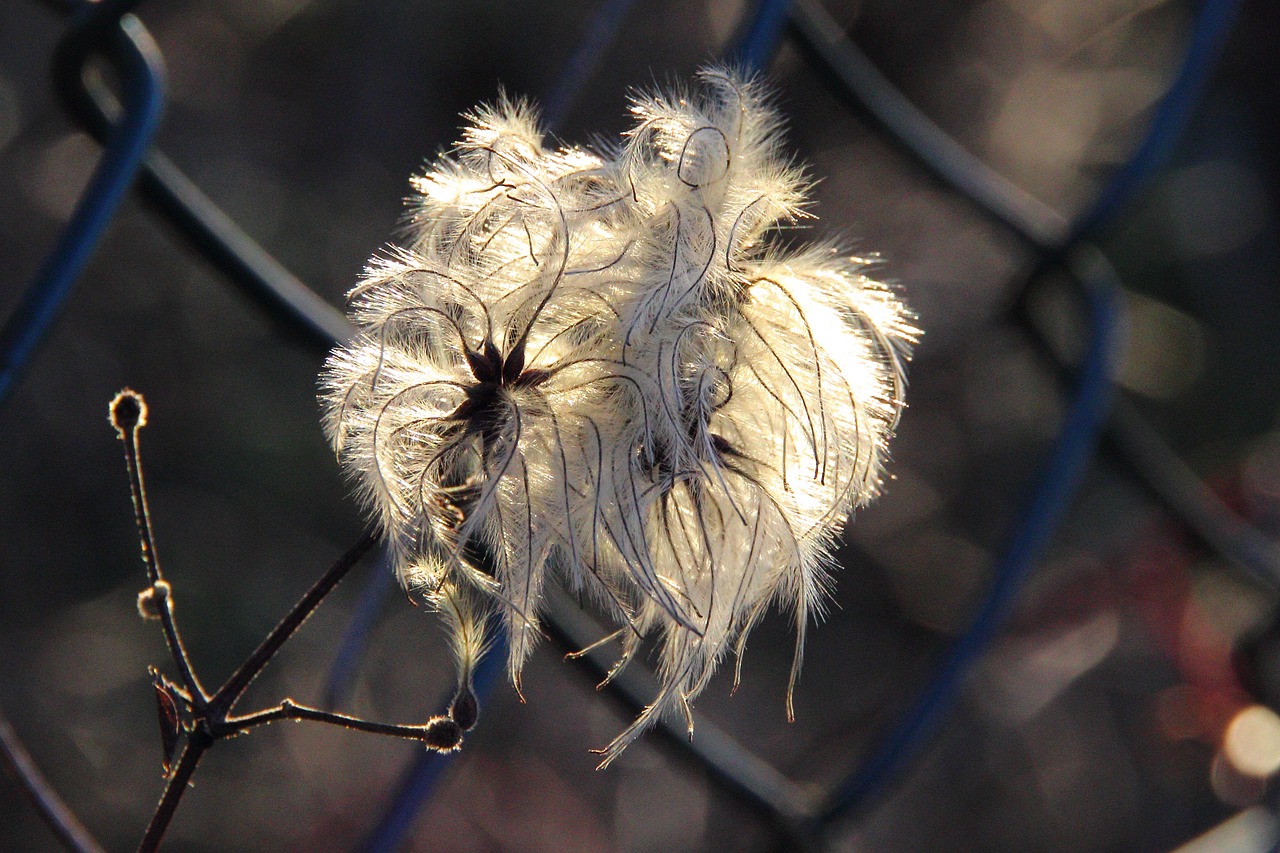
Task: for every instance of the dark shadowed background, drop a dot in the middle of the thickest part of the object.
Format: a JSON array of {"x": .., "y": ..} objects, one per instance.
[{"x": 1102, "y": 718}]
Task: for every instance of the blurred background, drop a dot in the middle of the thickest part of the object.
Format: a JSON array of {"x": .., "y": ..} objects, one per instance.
[{"x": 1122, "y": 708}]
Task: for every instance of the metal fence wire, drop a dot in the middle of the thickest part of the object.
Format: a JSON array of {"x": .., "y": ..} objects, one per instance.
[{"x": 109, "y": 77}]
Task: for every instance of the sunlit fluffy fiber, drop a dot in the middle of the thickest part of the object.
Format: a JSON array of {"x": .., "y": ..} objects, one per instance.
[{"x": 602, "y": 366}]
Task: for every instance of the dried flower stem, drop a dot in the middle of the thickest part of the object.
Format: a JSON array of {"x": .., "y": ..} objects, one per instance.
[
  {"x": 128, "y": 416},
  {"x": 208, "y": 718},
  {"x": 290, "y": 710},
  {"x": 227, "y": 695},
  {"x": 192, "y": 752}
]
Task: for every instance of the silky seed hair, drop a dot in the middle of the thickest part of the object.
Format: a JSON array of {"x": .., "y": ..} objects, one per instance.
[{"x": 602, "y": 368}]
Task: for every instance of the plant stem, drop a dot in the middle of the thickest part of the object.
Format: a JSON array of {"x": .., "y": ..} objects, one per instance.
[
  {"x": 290, "y": 710},
  {"x": 226, "y": 697},
  {"x": 196, "y": 744},
  {"x": 129, "y": 415},
  {"x": 199, "y": 699}
]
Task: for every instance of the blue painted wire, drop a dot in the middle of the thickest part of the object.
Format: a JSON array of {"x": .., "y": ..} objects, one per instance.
[
  {"x": 761, "y": 41},
  {"x": 1165, "y": 476},
  {"x": 216, "y": 236},
  {"x": 858, "y": 77},
  {"x": 142, "y": 70},
  {"x": 211, "y": 232},
  {"x": 1075, "y": 443},
  {"x": 583, "y": 62},
  {"x": 355, "y": 641},
  {"x": 1212, "y": 26},
  {"x": 1030, "y": 218},
  {"x": 297, "y": 307},
  {"x": 1049, "y": 497},
  {"x": 53, "y": 810}
]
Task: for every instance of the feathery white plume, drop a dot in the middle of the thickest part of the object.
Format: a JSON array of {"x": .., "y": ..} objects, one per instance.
[{"x": 598, "y": 364}]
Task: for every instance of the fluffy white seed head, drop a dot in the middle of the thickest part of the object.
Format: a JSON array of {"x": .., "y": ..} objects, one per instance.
[{"x": 597, "y": 369}]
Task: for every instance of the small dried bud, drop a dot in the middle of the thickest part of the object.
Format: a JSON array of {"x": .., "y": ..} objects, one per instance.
[
  {"x": 442, "y": 735},
  {"x": 128, "y": 412},
  {"x": 151, "y": 599},
  {"x": 465, "y": 709}
]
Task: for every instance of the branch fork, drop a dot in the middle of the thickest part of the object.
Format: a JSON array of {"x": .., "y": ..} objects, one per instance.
[{"x": 191, "y": 718}]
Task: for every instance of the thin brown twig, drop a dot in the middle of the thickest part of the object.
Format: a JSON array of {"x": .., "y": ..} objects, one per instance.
[
  {"x": 210, "y": 715},
  {"x": 212, "y": 719},
  {"x": 128, "y": 416},
  {"x": 221, "y": 703},
  {"x": 290, "y": 710},
  {"x": 164, "y": 593},
  {"x": 192, "y": 752}
]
